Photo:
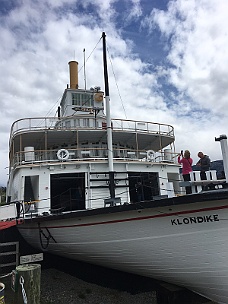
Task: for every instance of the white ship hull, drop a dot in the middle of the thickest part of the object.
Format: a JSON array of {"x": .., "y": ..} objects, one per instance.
[{"x": 181, "y": 243}]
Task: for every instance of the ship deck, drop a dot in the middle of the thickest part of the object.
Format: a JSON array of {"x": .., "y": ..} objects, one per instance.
[
  {"x": 86, "y": 137},
  {"x": 46, "y": 133}
]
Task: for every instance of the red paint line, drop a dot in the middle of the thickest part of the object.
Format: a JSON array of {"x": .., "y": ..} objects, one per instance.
[
  {"x": 7, "y": 224},
  {"x": 136, "y": 218}
]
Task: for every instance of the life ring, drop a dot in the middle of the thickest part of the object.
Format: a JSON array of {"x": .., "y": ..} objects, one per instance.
[
  {"x": 63, "y": 154},
  {"x": 98, "y": 97},
  {"x": 150, "y": 155}
]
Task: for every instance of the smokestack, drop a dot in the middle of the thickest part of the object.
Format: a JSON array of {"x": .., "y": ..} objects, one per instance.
[{"x": 73, "y": 74}]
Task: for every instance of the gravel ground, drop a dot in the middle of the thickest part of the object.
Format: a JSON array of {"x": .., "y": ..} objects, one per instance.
[
  {"x": 72, "y": 290},
  {"x": 59, "y": 287}
]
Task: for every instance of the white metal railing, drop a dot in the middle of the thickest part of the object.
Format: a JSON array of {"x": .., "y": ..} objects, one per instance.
[
  {"x": 43, "y": 156},
  {"x": 8, "y": 212},
  {"x": 142, "y": 126},
  {"x": 44, "y": 123}
]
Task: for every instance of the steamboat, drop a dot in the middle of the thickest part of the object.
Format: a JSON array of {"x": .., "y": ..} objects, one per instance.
[{"x": 107, "y": 191}]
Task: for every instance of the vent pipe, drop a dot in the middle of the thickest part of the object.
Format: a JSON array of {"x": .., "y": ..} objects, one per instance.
[{"x": 73, "y": 65}]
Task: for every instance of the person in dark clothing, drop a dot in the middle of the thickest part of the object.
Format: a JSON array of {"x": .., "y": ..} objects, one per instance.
[
  {"x": 139, "y": 191},
  {"x": 204, "y": 163}
]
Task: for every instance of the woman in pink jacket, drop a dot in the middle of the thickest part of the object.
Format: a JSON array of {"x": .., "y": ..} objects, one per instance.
[{"x": 186, "y": 162}]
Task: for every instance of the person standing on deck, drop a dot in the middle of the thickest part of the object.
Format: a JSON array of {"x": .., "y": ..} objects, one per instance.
[{"x": 186, "y": 162}]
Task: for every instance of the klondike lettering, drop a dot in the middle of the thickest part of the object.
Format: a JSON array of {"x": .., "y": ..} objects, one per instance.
[{"x": 195, "y": 219}]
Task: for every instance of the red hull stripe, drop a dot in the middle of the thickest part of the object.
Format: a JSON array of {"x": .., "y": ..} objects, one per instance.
[
  {"x": 135, "y": 218},
  {"x": 7, "y": 224}
]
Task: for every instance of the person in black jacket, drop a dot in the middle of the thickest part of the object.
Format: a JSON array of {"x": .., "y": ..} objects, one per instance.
[{"x": 204, "y": 163}]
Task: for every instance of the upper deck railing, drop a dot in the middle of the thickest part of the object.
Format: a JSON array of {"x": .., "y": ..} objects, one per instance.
[
  {"x": 88, "y": 122},
  {"x": 91, "y": 154}
]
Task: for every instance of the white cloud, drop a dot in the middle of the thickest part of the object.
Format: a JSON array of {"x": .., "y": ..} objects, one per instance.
[
  {"x": 197, "y": 33},
  {"x": 136, "y": 11}
]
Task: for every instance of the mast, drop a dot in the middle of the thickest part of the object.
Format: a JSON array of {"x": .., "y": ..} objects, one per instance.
[{"x": 109, "y": 125}]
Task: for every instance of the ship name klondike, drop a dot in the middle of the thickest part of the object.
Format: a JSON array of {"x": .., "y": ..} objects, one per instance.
[{"x": 195, "y": 219}]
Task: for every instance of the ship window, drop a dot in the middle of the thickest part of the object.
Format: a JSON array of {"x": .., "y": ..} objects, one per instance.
[
  {"x": 67, "y": 124},
  {"x": 82, "y": 99},
  {"x": 85, "y": 122},
  {"x": 77, "y": 122}
]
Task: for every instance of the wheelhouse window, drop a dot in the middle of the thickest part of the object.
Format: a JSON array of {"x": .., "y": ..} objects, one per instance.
[
  {"x": 85, "y": 122},
  {"x": 82, "y": 99}
]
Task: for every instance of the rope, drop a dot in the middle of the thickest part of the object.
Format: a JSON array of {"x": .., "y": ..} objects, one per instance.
[
  {"x": 2, "y": 301},
  {"x": 6, "y": 275},
  {"x": 22, "y": 281}
]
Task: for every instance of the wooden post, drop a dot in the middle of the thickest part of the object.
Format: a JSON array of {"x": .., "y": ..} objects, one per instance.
[
  {"x": 2, "y": 287},
  {"x": 28, "y": 291}
]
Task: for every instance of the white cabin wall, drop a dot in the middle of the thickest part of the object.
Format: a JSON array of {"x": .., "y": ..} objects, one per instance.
[
  {"x": 44, "y": 192},
  {"x": 41, "y": 186},
  {"x": 94, "y": 196},
  {"x": 175, "y": 179},
  {"x": 99, "y": 194},
  {"x": 16, "y": 191},
  {"x": 124, "y": 194},
  {"x": 169, "y": 173},
  {"x": 122, "y": 189},
  {"x": 66, "y": 111}
]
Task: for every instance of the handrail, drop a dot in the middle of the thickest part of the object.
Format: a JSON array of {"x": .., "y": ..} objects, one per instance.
[
  {"x": 90, "y": 154},
  {"x": 52, "y": 123}
]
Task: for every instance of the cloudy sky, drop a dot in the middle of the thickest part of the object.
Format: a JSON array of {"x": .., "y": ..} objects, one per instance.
[{"x": 168, "y": 63}]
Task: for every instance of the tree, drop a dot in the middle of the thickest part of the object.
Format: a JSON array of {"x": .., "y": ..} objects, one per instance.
[{"x": 3, "y": 195}]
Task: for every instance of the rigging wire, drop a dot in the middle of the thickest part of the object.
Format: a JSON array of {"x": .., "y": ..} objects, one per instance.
[
  {"x": 90, "y": 54},
  {"x": 57, "y": 102},
  {"x": 48, "y": 113},
  {"x": 84, "y": 67},
  {"x": 118, "y": 90}
]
